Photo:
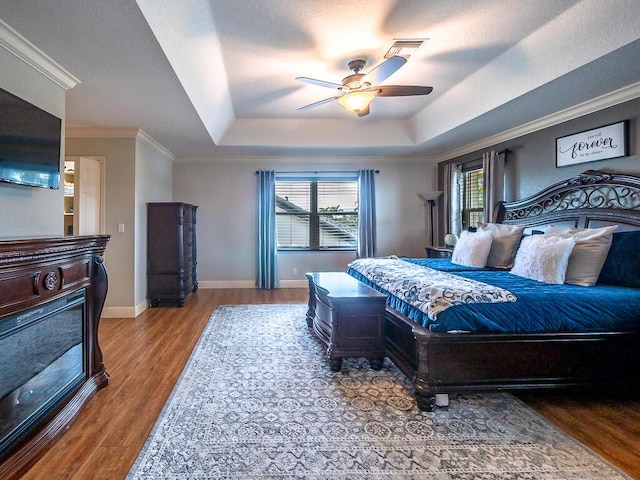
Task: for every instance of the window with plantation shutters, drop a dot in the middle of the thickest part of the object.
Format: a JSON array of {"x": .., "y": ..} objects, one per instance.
[
  {"x": 472, "y": 197},
  {"x": 313, "y": 214}
]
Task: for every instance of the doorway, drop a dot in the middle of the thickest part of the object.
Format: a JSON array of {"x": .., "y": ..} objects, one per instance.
[{"x": 84, "y": 195}]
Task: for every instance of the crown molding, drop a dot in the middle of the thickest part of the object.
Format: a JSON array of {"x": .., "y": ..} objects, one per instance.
[
  {"x": 26, "y": 51},
  {"x": 150, "y": 142},
  {"x": 611, "y": 99},
  {"x": 126, "y": 133},
  {"x": 383, "y": 159}
]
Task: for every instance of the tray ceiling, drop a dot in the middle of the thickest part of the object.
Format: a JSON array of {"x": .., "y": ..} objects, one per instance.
[{"x": 211, "y": 78}]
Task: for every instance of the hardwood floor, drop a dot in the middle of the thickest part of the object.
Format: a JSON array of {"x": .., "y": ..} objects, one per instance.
[
  {"x": 146, "y": 355},
  {"x": 608, "y": 423}
]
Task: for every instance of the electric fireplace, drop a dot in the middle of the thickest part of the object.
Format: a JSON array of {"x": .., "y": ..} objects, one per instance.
[
  {"x": 41, "y": 361},
  {"x": 51, "y": 296}
]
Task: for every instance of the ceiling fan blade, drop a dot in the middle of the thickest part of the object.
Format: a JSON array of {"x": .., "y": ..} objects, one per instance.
[
  {"x": 318, "y": 103},
  {"x": 383, "y": 71},
  {"x": 320, "y": 83},
  {"x": 399, "y": 90}
]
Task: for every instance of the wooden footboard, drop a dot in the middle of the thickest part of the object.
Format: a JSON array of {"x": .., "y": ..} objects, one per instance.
[{"x": 458, "y": 363}]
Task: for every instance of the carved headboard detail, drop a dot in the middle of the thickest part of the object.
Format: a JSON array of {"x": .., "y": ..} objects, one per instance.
[{"x": 588, "y": 197}]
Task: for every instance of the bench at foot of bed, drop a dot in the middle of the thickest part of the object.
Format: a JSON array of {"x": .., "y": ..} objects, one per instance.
[{"x": 348, "y": 316}]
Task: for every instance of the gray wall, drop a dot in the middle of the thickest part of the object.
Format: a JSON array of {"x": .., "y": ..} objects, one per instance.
[
  {"x": 225, "y": 192},
  {"x": 533, "y": 158},
  {"x": 153, "y": 179},
  {"x": 29, "y": 211},
  {"x": 119, "y": 157},
  {"x": 532, "y": 163},
  {"x": 136, "y": 174}
]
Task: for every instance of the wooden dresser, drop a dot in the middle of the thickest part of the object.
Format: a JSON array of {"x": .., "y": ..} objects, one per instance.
[{"x": 171, "y": 252}]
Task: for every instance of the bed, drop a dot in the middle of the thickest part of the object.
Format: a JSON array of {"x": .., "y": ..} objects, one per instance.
[{"x": 559, "y": 351}]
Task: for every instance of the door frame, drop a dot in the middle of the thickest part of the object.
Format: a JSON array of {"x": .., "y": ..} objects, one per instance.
[{"x": 103, "y": 170}]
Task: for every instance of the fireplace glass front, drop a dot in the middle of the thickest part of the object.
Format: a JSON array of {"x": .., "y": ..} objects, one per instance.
[{"x": 42, "y": 361}]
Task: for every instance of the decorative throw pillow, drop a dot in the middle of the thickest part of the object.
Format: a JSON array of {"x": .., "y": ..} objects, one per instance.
[
  {"x": 589, "y": 254},
  {"x": 472, "y": 249},
  {"x": 543, "y": 258},
  {"x": 506, "y": 239},
  {"x": 622, "y": 266}
]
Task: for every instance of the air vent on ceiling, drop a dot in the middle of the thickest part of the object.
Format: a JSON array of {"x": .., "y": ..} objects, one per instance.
[{"x": 404, "y": 47}]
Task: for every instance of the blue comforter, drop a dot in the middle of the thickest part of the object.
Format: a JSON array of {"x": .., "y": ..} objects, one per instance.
[
  {"x": 444, "y": 265},
  {"x": 540, "y": 308}
]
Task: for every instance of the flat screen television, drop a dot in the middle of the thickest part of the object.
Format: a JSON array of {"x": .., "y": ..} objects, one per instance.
[{"x": 29, "y": 143}]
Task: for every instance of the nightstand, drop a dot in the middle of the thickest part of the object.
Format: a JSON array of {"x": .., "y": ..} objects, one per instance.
[{"x": 438, "y": 252}]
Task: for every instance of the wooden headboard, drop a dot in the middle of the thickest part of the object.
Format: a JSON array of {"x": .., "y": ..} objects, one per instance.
[{"x": 591, "y": 199}]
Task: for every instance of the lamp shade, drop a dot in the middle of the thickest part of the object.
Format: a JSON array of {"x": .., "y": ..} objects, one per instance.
[
  {"x": 356, "y": 101},
  {"x": 430, "y": 196}
]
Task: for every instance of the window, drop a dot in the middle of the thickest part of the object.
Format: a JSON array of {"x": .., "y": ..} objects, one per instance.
[
  {"x": 313, "y": 214},
  {"x": 472, "y": 197}
]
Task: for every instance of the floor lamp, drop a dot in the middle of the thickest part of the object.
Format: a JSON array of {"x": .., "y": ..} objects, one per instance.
[{"x": 429, "y": 199}]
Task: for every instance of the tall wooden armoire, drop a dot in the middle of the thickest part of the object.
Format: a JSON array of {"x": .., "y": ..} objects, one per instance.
[{"x": 171, "y": 252}]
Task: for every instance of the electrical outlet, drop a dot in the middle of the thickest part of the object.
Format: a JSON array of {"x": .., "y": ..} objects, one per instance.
[{"x": 294, "y": 271}]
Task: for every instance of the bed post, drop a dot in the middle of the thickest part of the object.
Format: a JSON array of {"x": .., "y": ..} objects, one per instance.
[{"x": 425, "y": 396}]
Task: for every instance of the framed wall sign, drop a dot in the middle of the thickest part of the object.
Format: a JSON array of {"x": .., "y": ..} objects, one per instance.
[{"x": 609, "y": 141}]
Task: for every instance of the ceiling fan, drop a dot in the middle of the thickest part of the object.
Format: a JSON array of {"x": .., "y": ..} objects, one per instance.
[{"x": 358, "y": 90}]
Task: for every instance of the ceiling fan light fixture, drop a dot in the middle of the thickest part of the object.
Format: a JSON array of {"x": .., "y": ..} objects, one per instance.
[
  {"x": 358, "y": 90},
  {"x": 356, "y": 101}
]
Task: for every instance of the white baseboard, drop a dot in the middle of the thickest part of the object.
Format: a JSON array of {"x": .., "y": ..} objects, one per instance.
[
  {"x": 125, "y": 312},
  {"x": 142, "y": 306},
  {"x": 118, "y": 312}
]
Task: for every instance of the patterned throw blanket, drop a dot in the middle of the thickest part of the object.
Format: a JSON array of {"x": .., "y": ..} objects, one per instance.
[{"x": 430, "y": 291}]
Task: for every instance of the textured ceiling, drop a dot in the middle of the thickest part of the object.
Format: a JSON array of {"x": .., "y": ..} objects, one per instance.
[{"x": 217, "y": 77}]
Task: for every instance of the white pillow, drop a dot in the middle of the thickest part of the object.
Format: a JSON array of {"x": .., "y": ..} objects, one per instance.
[
  {"x": 506, "y": 239},
  {"x": 589, "y": 254},
  {"x": 472, "y": 249},
  {"x": 543, "y": 258}
]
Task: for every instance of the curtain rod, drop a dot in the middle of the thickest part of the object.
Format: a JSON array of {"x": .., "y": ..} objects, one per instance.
[
  {"x": 505, "y": 151},
  {"x": 321, "y": 171}
]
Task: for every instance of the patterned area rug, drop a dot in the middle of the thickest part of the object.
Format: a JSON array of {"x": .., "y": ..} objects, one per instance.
[{"x": 257, "y": 400}]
